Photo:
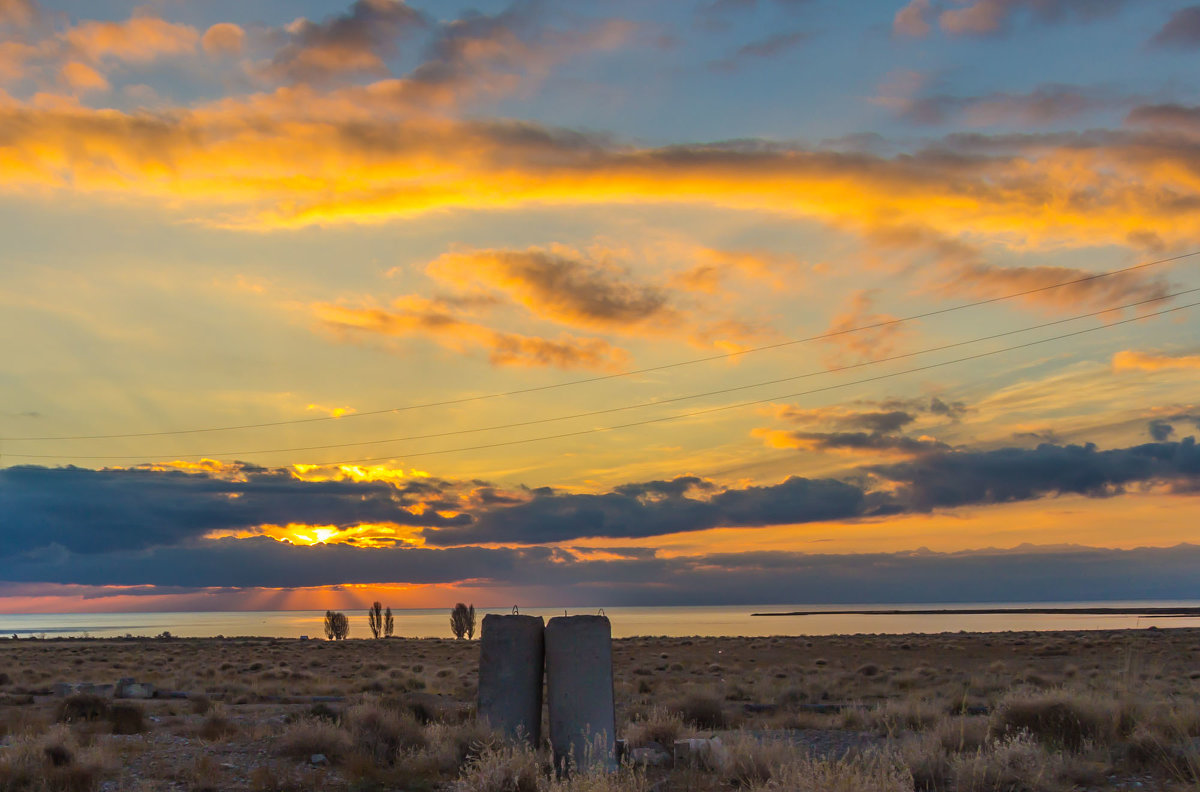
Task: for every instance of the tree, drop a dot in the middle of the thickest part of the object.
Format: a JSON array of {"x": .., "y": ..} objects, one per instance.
[
  {"x": 337, "y": 626},
  {"x": 375, "y": 619},
  {"x": 388, "y": 624},
  {"x": 462, "y": 620}
]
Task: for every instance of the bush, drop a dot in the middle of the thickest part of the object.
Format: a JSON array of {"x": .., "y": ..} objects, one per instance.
[
  {"x": 382, "y": 733},
  {"x": 659, "y": 726},
  {"x": 1015, "y": 764},
  {"x": 80, "y": 707},
  {"x": 309, "y": 736},
  {"x": 126, "y": 718},
  {"x": 505, "y": 769},
  {"x": 1061, "y": 718},
  {"x": 704, "y": 712}
]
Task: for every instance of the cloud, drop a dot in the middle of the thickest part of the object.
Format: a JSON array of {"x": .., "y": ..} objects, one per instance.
[
  {"x": 223, "y": 38},
  {"x": 865, "y": 344},
  {"x": 355, "y": 42},
  {"x": 81, "y": 77},
  {"x": 633, "y": 512},
  {"x": 1181, "y": 31},
  {"x": 989, "y": 17},
  {"x": 417, "y": 316},
  {"x": 96, "y": 511},
  {"x": 298, "y": 158},
  {"x": 495, "y": 54},
  {"x": 767, "y": 47},
  {"x": 1046, "y": 104},
  {"x": 1014, "y": 474},
  {"x": 19, "y": 13},
  {"x": 961, "y": 268},
  {"x": 1172, "y": 117},
  {"x": 138, "y": 39},
  {"x": 570, "y": 578},
  {"x": 1134, "y": 360},
  {"x": 561, "y": 285},
  {"x": 913, "y": 19},
  {"x": 859, "y": 432}
]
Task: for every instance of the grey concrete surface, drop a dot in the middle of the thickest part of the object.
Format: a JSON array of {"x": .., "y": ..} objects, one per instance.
[
  {"x": 579, "y": 690},
  {"x": 511, "y": 652}
]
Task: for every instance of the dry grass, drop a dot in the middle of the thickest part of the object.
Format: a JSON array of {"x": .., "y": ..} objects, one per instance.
[{"x": 950, "y": 712}]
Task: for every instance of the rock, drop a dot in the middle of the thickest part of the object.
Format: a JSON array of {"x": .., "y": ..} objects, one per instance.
[
  {"x": 229, "y": 766},
  {"x": 318, "y": 760},
  {"x": 651, "y": 755},
  {"x": 701, "y": 752},
  {"x": 128, "y": 688}
]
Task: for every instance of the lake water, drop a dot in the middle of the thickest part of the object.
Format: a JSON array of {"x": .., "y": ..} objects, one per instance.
[{"x": 673, "y": 621}]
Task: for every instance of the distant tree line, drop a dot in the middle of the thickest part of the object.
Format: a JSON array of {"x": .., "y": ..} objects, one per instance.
[{"x": 382, "y": 625}]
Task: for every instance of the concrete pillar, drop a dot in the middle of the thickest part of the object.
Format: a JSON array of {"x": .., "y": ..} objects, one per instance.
[
  {"x": 510, "y": 675},
  {"x": 579, "y": 688}
]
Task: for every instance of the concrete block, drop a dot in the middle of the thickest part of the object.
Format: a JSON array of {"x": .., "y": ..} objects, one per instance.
[
  {"x": 511, "y": 653},
  {"x": 579, "y": 688}
]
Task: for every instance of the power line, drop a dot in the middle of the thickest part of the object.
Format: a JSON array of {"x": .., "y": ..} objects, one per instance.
[
  {"x": 706, "y": 411},
  {"x": 631, "y": 372},
  {"x": 739, "y": 405}
]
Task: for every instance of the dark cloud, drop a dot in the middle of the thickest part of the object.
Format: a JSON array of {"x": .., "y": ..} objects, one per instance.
[
  {"x": 963, "y": 478},
  {"x": 52, "y": 511},
  {"x": 1162, "y": 428},
  {"x": 356, "y": 41},
  {"x": 991, "y": 17},
  {"x": 654, "y": 508},
  {"x": 867, "y": 441},
  {"x": 1046, "y": 104},
  {"x": 640, "y": 578},
  {"x": 1182, "y": 30},
  {"x": 758, "y": 49},
  {"x": 95, "y": 511},
  {"x": 1177, "y": 117},
  {"x": 953, "y": 410}
]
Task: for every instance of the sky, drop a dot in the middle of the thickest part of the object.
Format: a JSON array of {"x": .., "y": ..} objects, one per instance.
[{"x": 308, "y": 304}]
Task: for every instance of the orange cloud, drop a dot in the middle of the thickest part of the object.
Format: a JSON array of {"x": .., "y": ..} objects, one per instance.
[
  {"x": 81, "y": 77},
  {"x": 863, "y": 344},
  {"x": 562, "y": 285},
  {"x": 224, "y": 38},
  {"x": 420, "y": 317},
  {"x": 1132, "y": 360},
  {"x": 141, "y": 38},
  {"x": 297, "y": 157}
]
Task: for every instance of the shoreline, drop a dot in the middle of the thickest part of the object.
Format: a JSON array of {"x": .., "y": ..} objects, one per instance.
[{"x": 1182, "y": 612}]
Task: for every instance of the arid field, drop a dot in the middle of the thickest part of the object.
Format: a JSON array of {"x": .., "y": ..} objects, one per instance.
[{"x": 967, "y": 712}]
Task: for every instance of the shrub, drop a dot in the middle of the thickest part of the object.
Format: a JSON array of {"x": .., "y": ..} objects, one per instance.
[
  {"x": 878, "y": 773},
  {"x": 126, "y": 718},
  {"x": 704, "y": 712},
  {"x": 80, "y": 707},
  {"x": 381, "y": 733},
  {"x": 1061, "y": 718},
  {"x": 660, "y": 726},
  {"x": 1014, "y": 764},
  {"x": 309, "y": 736},
  {"x": 512, "y": 768}
]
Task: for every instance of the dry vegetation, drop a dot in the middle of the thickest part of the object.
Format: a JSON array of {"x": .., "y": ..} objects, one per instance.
[{"x": 961, "y": 713}]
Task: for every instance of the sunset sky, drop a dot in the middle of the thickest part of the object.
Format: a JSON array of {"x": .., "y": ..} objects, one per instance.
[{"x": 305, "y": 304}]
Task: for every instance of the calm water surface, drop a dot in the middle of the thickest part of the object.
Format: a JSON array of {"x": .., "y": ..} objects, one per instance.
[{"x": 674, "y": 621}]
